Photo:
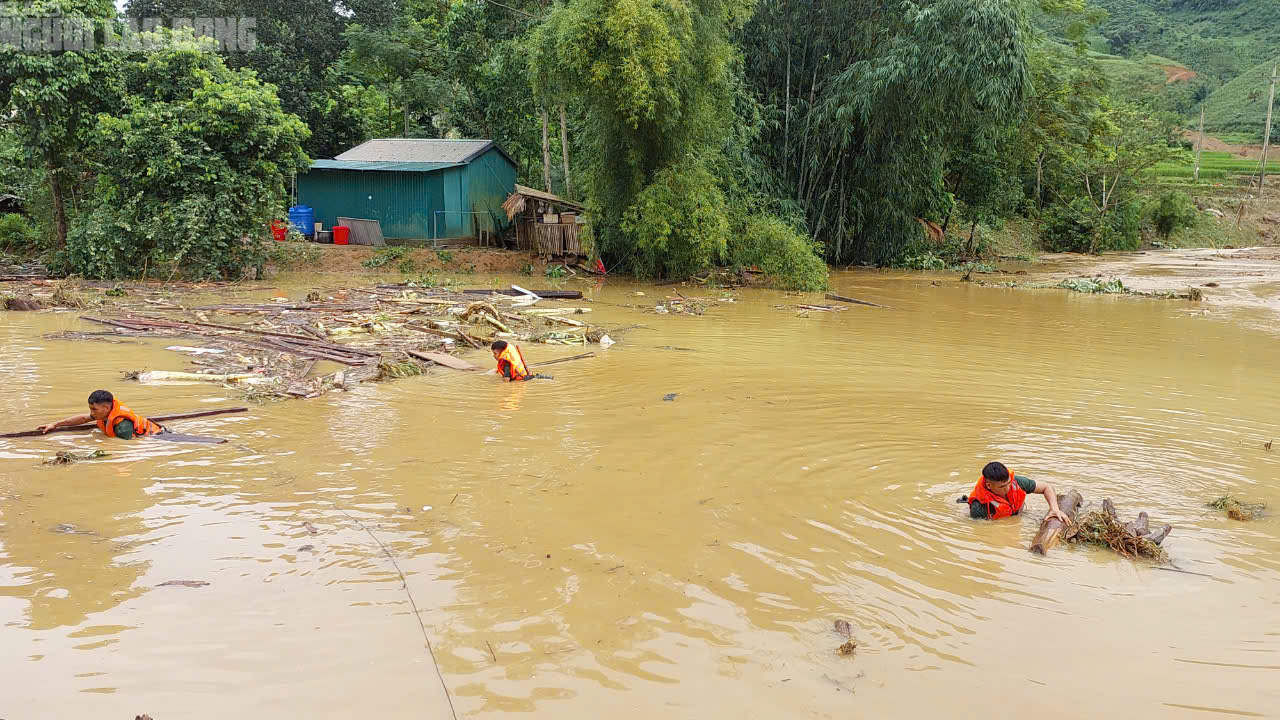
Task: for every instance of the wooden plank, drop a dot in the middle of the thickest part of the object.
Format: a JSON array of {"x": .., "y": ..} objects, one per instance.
[
  {"x": 544, "y": 294},
  {"x": 1051, "y": 528},
  {"x": 153, "y": 418},
  {"x": 855, "y": 301},
  {"x": 448, "y": 361}
]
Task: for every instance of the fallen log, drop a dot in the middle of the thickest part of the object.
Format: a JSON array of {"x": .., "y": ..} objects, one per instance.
[
  {"x": 1103, "y": 527},
  {"x": 448, "y": 361},
  {"x": 560, "y": 360},
  {"x": 177, "y": 375},
  {"x": 1051, "y": 528},
  {"x": 116, "y": 323},
  {"x": 1158, "y": 536},
  {"x": 544, "y": 294},
  {"x": 154, "y": 418},
  {"x": 543, "y": 312},
  {"x": 855, "y": 301},
  {"x": 298, "y": 341}
]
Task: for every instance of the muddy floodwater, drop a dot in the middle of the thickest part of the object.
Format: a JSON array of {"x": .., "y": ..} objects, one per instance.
[{"x": 583, "y": 548}]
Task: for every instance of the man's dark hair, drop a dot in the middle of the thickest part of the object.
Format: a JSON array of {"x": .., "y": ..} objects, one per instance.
[
  {"x": 499, "y": 345},
  {"x": 101, "y": 397},
  {"x": 995, "y": 472}
]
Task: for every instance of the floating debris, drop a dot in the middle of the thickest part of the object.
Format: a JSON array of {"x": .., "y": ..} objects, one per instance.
[
  {"x": 184, "y": 583},
  {"x": 66, "y": 457},
  {"x": 1094, "y": 285},
  {"x": 1131, "y": 539},
  {"x": 377, "y": 333},
  {"x": 669, "y": 397},
  {"x": 69, "y": 529},
  {"x": 1238, "y": 509},
  {"x": 22, "y": 304}
]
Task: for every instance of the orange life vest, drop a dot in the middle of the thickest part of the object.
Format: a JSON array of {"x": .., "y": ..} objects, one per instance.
[
  {"x": 512, "y": 357},
  {"x": 1005, "y": 506},
  {"x": 141, "y": 425}
]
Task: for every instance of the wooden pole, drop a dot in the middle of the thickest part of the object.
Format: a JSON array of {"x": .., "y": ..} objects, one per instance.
[
  {"x": 560, "y": 360},
  {"x": 1266, "y": 138},
  {"x": 153, "y": 418},
  {"x": 1200, "y": 143},
  {"x": 546, "y": 154},
  {"x": 1051, "y": 528},
  {"x": 564, "y": 150}
]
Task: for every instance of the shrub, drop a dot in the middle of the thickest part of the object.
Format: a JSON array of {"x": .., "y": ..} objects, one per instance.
[
  {"x": 17, "y": 233},
  {"x": 1071, "y": 227},
  {"x": 386, "y": 256},
  {"x": 678, "y": 223},
  {"x": 790, "y": 260},
  {"x": 1170, "y": 212}
]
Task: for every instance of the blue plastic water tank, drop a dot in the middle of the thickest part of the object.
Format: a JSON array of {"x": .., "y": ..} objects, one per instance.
[{"x": 303, "y": 219}]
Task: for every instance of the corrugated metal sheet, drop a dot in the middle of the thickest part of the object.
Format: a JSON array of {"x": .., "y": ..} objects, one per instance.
[
  {"x": 403, "y": 203},
  {"x": 380, "y": 165},
  {"x": 417, "y": 150}
]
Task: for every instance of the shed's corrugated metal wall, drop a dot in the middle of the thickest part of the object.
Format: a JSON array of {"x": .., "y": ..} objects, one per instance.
[
  {"x": 403, "y": 202},
  {"x": 487, "y": 182},
  {"x": 406, "y": 203}
]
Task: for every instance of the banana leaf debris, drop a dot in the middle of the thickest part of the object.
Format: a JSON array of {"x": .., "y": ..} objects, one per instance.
[{"x": 273, "y": 350}]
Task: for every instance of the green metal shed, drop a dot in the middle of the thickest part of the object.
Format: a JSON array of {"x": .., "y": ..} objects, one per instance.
[{"x": 415, "y": 188}]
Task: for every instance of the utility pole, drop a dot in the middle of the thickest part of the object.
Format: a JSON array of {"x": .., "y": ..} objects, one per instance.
[
  {"x": 1200, "y": 144},
  {"x": 1266, "y": 138}
]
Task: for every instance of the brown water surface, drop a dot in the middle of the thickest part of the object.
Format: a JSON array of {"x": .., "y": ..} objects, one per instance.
[{"x": 580, "y": 547}]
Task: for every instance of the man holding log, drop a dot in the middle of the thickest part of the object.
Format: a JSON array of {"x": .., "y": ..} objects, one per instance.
[
  {"x": 1000, "y": 494},
  {"x": 114, "y": 419}
]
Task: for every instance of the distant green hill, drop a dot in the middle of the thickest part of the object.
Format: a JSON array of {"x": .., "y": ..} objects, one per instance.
[
  {"x": 1237, "y": 111},
  {"x": 1219, "y": 39},
  {"x": 1229, "y": 44}
]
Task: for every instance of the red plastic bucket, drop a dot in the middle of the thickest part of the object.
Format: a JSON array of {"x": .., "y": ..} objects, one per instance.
[
  {"x": 279, "y": 230},
  {"x": 340, "y": 233}
]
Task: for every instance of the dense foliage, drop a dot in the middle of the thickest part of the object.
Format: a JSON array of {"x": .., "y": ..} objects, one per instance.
[
  {"x": 776, "y": 134},
  {"x": 190, "y": 173}
]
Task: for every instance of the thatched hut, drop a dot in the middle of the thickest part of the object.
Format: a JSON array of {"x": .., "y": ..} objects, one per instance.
[{"x": 546, "y": 223}]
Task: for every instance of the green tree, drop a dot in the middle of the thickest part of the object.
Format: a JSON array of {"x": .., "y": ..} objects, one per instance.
[
  {"x": 50, "y": 100},
  {"x": 870, "y": 97},
  {"x": 189, "y": 173},
  {"x": 653, "y": 84},
  {"x": 1125, "y": 141},
  {"x": 298, "y": 47},
  {"x": 404, "y": 60}
]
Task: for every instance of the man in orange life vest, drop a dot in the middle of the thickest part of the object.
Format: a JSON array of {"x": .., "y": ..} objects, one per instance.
[
  {"x": 114, "y": 419},
  {"x": 511, "y": 363},
  {"x": 1001, "y": 494}
]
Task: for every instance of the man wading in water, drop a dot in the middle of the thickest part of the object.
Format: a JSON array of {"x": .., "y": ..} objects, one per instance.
[
  {"x": 114, "y": 419},
  {"x": 511, "y": 363},
  {"x": 1001, "y": 494}
]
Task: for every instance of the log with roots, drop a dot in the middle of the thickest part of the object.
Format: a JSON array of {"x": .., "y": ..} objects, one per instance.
[
  {"x": 1051, "y": 529},
  {"x": 1131, "y": 539}
]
